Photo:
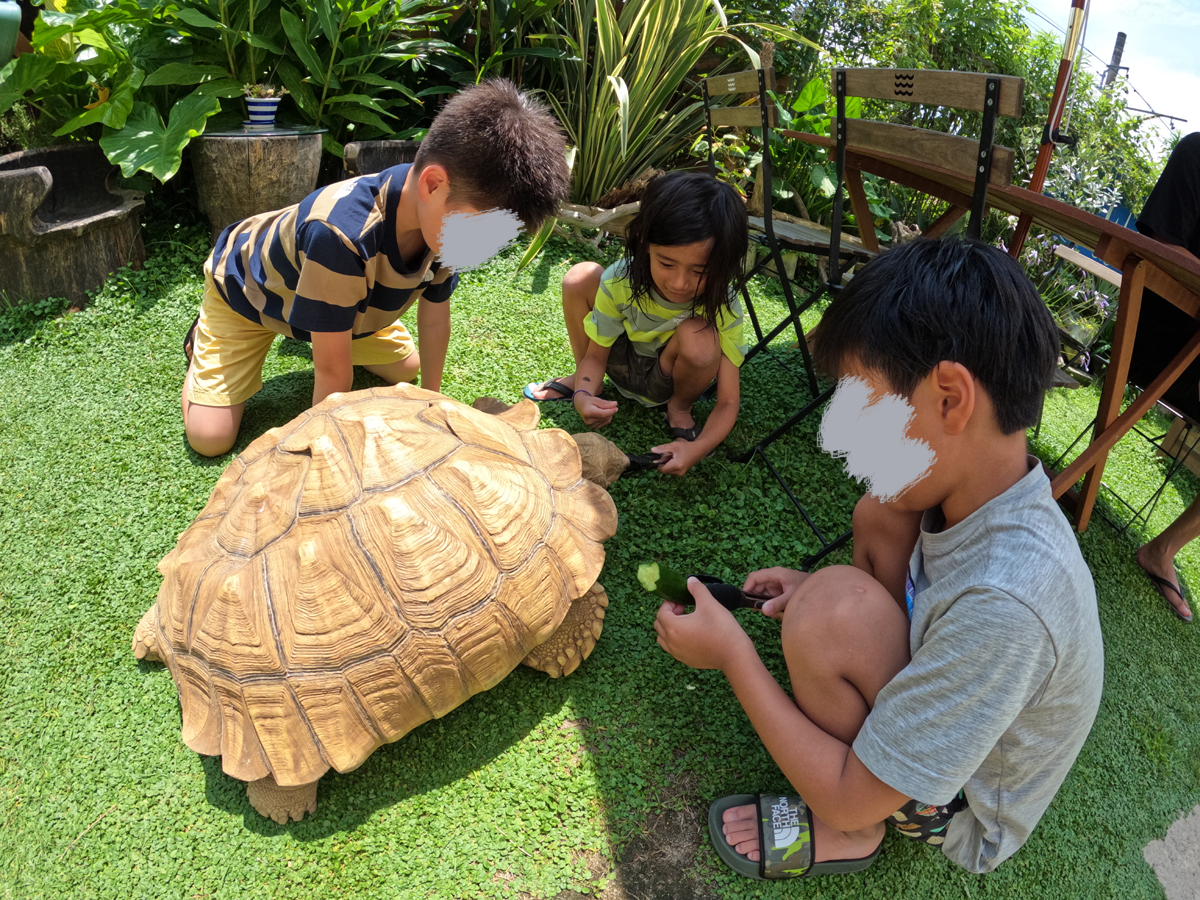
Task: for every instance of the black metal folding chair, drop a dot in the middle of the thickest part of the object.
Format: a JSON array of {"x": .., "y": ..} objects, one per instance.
[{"x": 983, "y": 160}]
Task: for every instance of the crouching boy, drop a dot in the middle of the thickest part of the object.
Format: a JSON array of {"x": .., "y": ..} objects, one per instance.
[
  {"x": 947, "y": 680},
  {"x": 340, "y": 267}
]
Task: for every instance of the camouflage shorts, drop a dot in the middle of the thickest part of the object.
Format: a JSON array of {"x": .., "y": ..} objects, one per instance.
[
  {"x": 638, "y": 374},
  {"x": 926, "y": 823}
]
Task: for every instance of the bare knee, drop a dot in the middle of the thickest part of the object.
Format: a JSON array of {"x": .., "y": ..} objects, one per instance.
[
  {"x": 842, "y": 621},
  {"x": 699, "y": 343},
  {"x": 582, "y": 281},
  {"x": 212, "y": 430}
]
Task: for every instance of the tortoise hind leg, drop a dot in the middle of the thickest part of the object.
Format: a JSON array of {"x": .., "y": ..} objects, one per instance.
[
  {"x": 145, "y": 638},
  {"x": 281, "y": 803},
  {"x": 572, "y": 643}
]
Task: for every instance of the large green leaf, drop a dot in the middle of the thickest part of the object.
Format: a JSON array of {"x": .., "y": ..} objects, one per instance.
[
  {"x": 25, "y": 73},
  {"x": 184, "y": 73},
  {"x": 112, "y": 112},
  {"x": 298, "y": 38},
  {"x": 145, "y": 144}
]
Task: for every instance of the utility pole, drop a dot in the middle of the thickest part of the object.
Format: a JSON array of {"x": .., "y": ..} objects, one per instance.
[{"x": 1114, "y": 67}]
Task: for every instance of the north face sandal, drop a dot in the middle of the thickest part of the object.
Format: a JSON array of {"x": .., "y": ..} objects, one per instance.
[{"x": 785, "y": 840}]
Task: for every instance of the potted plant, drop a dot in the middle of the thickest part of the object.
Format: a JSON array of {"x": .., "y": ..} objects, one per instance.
[{"x": 262, "y": 101}]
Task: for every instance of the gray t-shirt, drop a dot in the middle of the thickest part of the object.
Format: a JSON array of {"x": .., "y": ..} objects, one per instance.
[{"x": 1006, "y": 672}]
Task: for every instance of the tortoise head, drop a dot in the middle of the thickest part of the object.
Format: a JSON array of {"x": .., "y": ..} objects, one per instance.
[{"x": 603, "y": 461}]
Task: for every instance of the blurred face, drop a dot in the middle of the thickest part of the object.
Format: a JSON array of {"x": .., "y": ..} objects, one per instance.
[
  {"x": 678, "y": 270},
  {"x": 459, "y": 235},
  {"x": 878, "y": 434}
]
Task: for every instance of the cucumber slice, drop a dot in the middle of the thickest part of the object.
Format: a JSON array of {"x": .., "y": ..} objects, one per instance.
[{"x": 669, "y": 585}]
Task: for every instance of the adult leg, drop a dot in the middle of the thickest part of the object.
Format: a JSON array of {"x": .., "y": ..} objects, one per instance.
[
  {"x": 1158, "y": 556},
  {"x": 884, "y": 538},
  {"x": 579, "y": 288},
  {"x": 691, "y": 358},
  {"x": 844, "y": 638}
]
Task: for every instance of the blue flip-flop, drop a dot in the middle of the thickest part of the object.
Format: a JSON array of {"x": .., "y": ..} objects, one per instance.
[
  {"x": 553, "y": 384},
  {"x": 785, "y": 840}
]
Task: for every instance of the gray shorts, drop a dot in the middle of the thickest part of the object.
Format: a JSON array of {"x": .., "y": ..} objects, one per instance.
[{"x": 641, "y": 375}]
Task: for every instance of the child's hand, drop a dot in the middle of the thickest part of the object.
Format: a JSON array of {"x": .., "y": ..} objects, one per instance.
[
  {"x": 705, "y": 639},
  {"x": 596, "y": 413},
  {"x": 678, "y": 456},
  {"x": 779, "y": 584}
]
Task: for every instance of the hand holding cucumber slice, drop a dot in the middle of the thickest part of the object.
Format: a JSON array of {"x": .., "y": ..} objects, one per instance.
[{"x": 670, "y": 585}]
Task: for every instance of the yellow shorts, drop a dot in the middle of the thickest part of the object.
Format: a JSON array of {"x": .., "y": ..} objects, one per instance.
[{"x": 229, "y": 351}]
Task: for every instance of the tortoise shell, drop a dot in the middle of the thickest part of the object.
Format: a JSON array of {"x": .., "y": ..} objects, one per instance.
[{"x": 366, "y": 567}]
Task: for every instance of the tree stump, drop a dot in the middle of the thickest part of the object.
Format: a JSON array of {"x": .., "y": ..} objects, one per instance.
[{"x": 242, "y": 176}]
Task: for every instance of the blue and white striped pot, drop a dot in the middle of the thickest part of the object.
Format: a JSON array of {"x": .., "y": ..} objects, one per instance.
[{"x": 262, "y": 111}]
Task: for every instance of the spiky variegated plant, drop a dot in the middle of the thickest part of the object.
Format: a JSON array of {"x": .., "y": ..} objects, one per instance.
[{"x": 619, "y": 96}]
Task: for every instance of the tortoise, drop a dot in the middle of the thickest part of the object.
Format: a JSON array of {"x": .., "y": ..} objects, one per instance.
[{"x": 369, "y": 566}]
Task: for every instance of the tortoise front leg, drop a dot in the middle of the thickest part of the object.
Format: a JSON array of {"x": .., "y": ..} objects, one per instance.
[
  {"x": 572, "y": 642},
  {"x": 281, "y": 803}
]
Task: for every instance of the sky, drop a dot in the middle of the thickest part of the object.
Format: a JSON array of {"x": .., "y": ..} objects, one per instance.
[{"x": 1162, "y": 49}]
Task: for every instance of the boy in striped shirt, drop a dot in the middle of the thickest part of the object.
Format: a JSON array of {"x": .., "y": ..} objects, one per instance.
[{"x": 340, "y": 267}]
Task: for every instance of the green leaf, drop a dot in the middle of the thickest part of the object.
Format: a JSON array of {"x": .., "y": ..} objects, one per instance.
[
  {"x": 184, "y": 73},
  {"x": 112, "y": 112},
  {"x": 257, "y": 40},
  {"x": 814, "y": 94},
  {"x": 145, "y": 144},
  {"x": 360, "y": 100},
  {"x": 536, "y": 245},
  {"x": 298, "y": 38},
  {"x": 622, "y": 91},
  {"x": 25, "y": 73},
  {"x": 221, "y": 87},
  {"x": 821, "y": 180},
  {"x": 196, "y": 19},
  {"x": 380, "y": 81},
  {"x": 362, "y": 116},
  {"x": 300, "y": 89}
]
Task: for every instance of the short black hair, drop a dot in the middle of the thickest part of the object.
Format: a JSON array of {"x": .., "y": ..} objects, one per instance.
[
  {"x": 502, "y": 150},
  {"x": 686, "y": 208},
  {"x": 950, "y": 299}
]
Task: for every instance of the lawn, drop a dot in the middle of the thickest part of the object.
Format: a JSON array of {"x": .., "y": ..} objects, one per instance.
[{"x": 594, "y": 784}]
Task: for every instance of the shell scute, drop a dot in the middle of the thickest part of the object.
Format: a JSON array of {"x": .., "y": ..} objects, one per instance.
[
  {"x": 198, "y": 701},
  {"x": 242, "y": 754},
  {"x": 509, "y": 502},
  {"x": 389, "y": 697},
  {"x": 329, "y": 610},
  {"x": 331, "y": 482},
  {"x": 477, "y": 429},
  {"x": 433, "y": 667},
  {"x": 231, "y": 627},
  {"x": 488, "y": 642},
  {"x": 537, "y": 595},
  {"x": 345, "y": 736},
  {"x": 286, "y": 739},
  {"x": 265, "y": 508},
  {"x": 424, "y": 549},
  {"x": 555, "y": 455},
  {"x": 386, "y": 448}
]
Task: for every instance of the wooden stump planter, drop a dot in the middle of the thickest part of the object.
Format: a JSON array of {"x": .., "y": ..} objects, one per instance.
[
  {"x": 369, "y": 157},
  {"x": 64, "y": 225},
  {"x": 242, "y": 173}
]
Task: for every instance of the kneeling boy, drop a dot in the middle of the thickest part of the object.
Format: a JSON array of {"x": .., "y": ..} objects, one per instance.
[
  {"x": 339, "y": 268},
  {"x": 948, "y": 679}
]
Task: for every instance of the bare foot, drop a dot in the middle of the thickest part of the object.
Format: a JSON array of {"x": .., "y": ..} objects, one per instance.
[
  {"x": 1157, "y": 563},
  {"x": 741, "y": 832},
  {"x": 541, "y": 392}
]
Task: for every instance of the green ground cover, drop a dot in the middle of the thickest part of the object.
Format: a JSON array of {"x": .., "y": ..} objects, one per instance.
[{"x": 593, "y": 784}]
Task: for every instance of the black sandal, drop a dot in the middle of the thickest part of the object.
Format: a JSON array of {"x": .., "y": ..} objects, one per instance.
[{"x": 680, "y": 434}]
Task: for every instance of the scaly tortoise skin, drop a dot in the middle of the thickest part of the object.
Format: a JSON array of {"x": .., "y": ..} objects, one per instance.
[{"x": 369, "y": 566}]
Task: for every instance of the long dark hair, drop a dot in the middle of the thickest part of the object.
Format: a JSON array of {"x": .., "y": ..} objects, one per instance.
[{"x": 686, "y": 208}]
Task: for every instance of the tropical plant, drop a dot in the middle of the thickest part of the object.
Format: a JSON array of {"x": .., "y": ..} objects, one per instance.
[{"x": 623, "y": 94}]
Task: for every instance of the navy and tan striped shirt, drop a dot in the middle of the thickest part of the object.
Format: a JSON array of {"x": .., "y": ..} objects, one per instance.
[{"x": 329, "y": 263}]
